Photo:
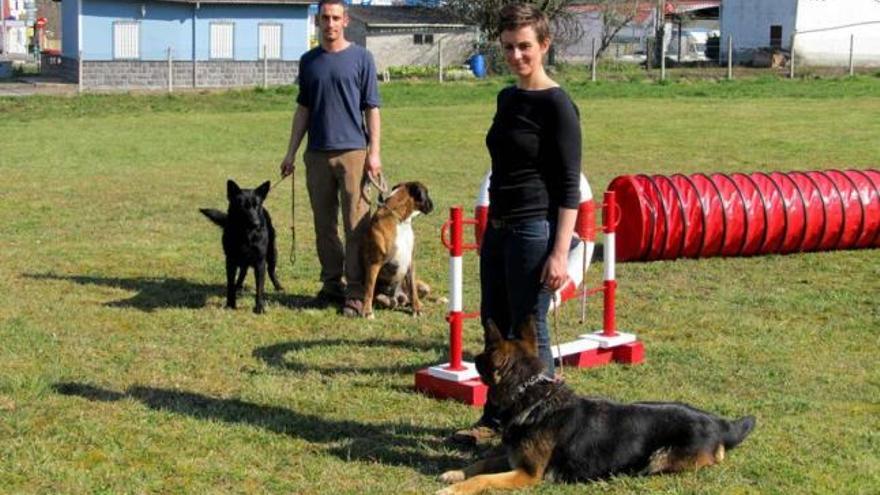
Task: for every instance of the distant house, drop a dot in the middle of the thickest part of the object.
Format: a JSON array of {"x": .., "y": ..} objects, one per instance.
[
  {"x": 629, "y": 40},
  {"x": 14, "y": 29},
  {"x": 133, "y": 43},
  {"x": 405, "y": 35},
  {"x": 682, "y": 19},
  {"x": 822, "y": 29}
]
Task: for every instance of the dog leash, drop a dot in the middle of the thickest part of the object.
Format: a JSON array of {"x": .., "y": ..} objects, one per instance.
[
  {"x": 292, "y": 255},
  {"x": 555, "y": 330},
  {"x": 379, "y": 183}
]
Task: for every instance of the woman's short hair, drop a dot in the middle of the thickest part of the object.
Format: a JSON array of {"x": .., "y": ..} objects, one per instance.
[{"x": 518, "y": 15}]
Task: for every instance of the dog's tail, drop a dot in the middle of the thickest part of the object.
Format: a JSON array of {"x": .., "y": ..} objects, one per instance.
[
  {"x": 737, "y": 431},
  {"x": 215, "y": 216}
]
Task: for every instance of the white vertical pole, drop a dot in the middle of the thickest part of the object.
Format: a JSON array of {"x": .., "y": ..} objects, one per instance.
[
  {"x": 440, "y": 59},
  {"x": 729, "y": 57},
  {"x": 3, "y": 39},
  {"x": 663, "y": 58},
  {"x": 593, "y": 67},
  {"x": 170, "y": 71},
  {"x": 79, "y": 73},
  {"x": 265, "y": 68},
  {"x": 791, "y": 65},
  {"x": 851, "y": 46}
]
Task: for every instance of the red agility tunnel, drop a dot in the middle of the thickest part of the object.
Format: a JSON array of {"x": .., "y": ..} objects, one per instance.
[{"x": 700, "y": 215}]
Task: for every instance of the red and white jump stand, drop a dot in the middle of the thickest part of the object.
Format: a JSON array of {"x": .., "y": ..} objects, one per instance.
[{"x": 459, "y": 380}]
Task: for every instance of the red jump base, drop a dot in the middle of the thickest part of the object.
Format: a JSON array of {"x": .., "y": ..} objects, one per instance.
[
  {"x": 631, "y": 353},
  {"x": 471, "y": 392}
]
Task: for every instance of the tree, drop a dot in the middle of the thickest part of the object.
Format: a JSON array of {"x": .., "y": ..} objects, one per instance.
[
  {"x": 615, "y": 14},
  {"x": 484, "y": 13}
]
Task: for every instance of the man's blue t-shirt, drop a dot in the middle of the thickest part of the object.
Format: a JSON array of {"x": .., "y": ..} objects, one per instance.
[{"x": 337, "y": 87}]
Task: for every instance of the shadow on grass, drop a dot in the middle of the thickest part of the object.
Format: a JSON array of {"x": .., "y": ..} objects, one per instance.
[
  {"x": 275, "y": 355},
  {"x": 154, "y": 293},
  {"x": 388, "y": 443}
]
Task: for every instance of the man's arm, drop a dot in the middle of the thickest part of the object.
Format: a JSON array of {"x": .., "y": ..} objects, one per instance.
[
  {"x": 374, "y": 127},
  {"x": 298, "y": 129}
]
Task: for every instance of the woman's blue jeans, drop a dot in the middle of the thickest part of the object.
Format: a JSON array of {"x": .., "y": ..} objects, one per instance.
[{"x": 512, "y": 257}]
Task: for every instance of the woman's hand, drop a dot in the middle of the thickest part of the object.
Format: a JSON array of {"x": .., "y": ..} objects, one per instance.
[{"x": 555, "y": 272}]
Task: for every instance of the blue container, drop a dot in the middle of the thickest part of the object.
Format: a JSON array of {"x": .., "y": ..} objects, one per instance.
[
  {"x": 5, "y": 69},
  {"x": 478, "y": 65}
]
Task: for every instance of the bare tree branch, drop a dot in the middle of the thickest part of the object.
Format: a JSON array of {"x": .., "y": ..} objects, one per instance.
[{"x": 484, "y": 13}]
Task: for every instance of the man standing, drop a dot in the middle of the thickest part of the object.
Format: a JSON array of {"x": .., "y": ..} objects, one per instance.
[{"x": 338, "y": 105}]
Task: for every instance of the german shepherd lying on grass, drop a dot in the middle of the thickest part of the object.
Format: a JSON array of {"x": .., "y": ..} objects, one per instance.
[
  {"x": 248, "y": 240},
  {"x": 551, "y": 433}
]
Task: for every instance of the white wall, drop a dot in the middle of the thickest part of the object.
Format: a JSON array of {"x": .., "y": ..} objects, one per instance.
[
  {"x": 16, "y": 38},
  {"x": 749, "y": 22},
  {"x": 824, "y": 28},
  {"x": 398, "y": 49}
]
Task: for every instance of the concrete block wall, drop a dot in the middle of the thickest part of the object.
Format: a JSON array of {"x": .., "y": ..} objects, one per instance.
[{"x": 138, "y": 74}]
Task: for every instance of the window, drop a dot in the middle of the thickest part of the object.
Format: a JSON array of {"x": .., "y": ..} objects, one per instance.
[
  {"x": 776, "y": 36},
  {"x": 126, "y": 40},
  {"x": 221, "y": 40},
  {"x": 270, "y": 41},
  {"x": 423, "y": 39}
]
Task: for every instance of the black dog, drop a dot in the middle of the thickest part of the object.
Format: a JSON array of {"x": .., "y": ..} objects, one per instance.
[
  {"x": 551, "y": 433},
  {"x": 248, "y": 240}
]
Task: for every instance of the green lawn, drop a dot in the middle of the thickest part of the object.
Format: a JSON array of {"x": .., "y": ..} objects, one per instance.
[{"x": 121, "y": 372}]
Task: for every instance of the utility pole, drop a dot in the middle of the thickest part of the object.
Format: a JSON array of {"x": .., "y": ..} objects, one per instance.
[
  {"x": 3, "y": 27},
  {"x": 660, "y": 29}
]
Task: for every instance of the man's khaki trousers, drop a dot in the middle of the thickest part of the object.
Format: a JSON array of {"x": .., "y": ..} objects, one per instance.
[{"x": 334, "y": 178}]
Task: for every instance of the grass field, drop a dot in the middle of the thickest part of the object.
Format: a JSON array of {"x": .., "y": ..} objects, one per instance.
[{"x": 121, "y": 372}]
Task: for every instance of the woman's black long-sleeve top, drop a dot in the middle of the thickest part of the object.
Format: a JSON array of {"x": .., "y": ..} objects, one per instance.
[{"x": 535, "y": 146}]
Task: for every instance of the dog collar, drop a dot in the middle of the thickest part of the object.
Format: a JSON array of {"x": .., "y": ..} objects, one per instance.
[
  {"x": 524, "y": 416},
  {"x": 533, "y": 381}
]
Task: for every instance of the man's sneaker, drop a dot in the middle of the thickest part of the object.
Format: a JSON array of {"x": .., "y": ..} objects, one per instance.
[
  {"x": 476, "y": 435},
  {"x": 326, "y": 297}
]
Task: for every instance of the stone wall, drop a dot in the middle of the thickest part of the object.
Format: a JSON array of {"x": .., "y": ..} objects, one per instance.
[{"x": 137, "y": 74}]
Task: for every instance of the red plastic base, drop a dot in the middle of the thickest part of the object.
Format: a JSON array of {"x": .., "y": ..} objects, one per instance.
[
  {"x": 632, "y": 353},
  {"x": 589, "y": 359},
  {"x": 472, "y": 392}
]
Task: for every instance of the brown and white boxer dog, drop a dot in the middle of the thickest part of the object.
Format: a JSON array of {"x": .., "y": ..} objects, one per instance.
[{"x": 388, "y": 247}]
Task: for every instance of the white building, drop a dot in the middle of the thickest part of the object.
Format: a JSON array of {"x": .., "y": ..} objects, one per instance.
[
  {"x": 14, "y": 26},
  {"x": 822, "y": 29}
]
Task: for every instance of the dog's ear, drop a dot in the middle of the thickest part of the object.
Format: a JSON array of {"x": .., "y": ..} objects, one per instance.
[
  {"x": 263, "y": 190},
  {"x": 492, "y": 335},
  {"x": 232, "y": 189},
  {"x": 416, "y": 192},
  {"x": 528, "y": 332}
]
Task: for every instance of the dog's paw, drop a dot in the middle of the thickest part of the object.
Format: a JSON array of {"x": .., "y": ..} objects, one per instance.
[
  {"x": 370, "y": 315},
  {"x": 453, "y": 476},
  {"x": 385, "y": 302}
]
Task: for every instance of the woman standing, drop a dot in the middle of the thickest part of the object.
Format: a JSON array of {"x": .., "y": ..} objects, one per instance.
[{"x": 535, "y": 146}]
